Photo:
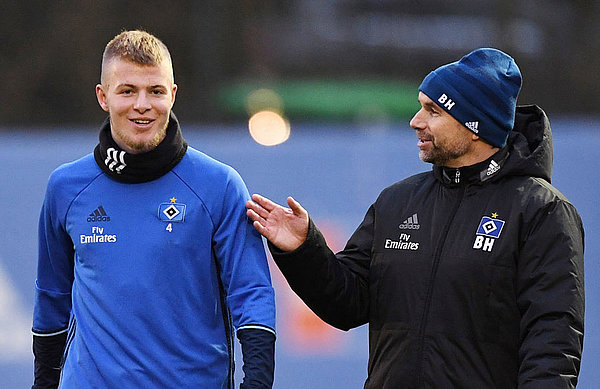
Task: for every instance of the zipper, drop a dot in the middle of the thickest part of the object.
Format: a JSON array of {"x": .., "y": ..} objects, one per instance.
[{"x": 436, "y": 261}]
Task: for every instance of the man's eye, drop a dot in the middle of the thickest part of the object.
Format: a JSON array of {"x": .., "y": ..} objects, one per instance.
[
  {"x": 158, "y": 92},
  {"x": 126, "y": 91}
]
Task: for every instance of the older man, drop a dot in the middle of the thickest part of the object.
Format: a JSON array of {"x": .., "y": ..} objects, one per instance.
[{"x": 469, "y": 275}]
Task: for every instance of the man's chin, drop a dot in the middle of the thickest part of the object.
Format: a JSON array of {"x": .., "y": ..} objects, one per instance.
[
  {"x": 426, "y": 157},
  {"x": 140, "y": 145}
]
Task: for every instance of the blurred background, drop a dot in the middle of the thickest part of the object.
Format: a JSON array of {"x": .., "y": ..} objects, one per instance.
[{"x": 338, "y": 82}]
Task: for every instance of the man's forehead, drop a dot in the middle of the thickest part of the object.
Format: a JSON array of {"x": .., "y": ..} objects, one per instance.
[
  {"x": 425, "y": 100},
  {"x": 126, "y": 71},
  {"x": 127, "y": 65}
]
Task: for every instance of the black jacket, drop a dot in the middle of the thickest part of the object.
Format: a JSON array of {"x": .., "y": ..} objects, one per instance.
[{"x": 468, "y": 278}]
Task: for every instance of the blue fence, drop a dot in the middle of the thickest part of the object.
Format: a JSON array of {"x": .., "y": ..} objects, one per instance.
[{"x": 334, "y": 171}]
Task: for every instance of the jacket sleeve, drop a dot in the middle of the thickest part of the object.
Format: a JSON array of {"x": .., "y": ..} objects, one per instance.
[
  {"x": 52, "y": 291},
  {"x": 335, "y": 287},
  {"x": 246, "y": 280},
  {"x": 240, "y": 255},
  {"x": 551, "y": 299}
]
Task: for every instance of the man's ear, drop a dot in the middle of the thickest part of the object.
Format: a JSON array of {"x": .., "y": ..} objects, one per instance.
[
  {"x": 101, "y": 96},
  {"x": 173, "y": 93},
  {"x": 474, "y": 137}
]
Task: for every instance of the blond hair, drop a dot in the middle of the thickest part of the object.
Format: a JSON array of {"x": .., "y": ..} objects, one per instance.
[{"x": 137, "y": 46}]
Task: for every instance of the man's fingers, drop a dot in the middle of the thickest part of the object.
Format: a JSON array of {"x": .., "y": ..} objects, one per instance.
[
  {"x": 259, "y": 227},
  {"x": 264, "y": 202},
  {"x": 257, "y": 209},
  {"x": 255, "y": 216},
  {"x": 295, "y": 206},
  {"x": 257, "y": 221}
]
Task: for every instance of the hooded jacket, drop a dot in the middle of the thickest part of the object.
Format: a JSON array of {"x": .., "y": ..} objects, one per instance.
[{"x": 468, "y": 277}]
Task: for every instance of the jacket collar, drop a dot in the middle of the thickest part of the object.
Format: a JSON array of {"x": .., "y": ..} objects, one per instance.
[{"x": 478, "y": 173}]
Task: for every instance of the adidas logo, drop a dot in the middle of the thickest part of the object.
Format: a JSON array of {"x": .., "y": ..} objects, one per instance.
[
  {"x": 493, "y": 168},
  {"x": 99, "y": 215},
  {"x": 115, "y": 160},
  {"x": 472, "y": 126},
  {"x": 412, "y": 223}
]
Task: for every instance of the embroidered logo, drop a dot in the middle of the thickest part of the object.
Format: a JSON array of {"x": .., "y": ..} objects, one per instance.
[
  {"x": 447, "y": 102},
  {"x": 472, "y": 126},
  {"x": 412, "y": 223},
  {"x": 115, "y": 160},
  {"x": 492, "y": 168},
  {"x": 172, "y": 211},
  {"x": 488, "y": 231},
  {"x": 98, "y": 215}
]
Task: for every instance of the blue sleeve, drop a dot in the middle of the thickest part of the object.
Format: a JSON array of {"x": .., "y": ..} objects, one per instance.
[
  {"x": 55, "y": 266},
  {"x": 243, "y": 264},
  {"x": 52, "y": 290},
  {"x": 245, "y": 276}
]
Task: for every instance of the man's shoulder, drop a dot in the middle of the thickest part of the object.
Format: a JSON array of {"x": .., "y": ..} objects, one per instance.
[
  {"x": 197, "y": 165},
  {"x": 197, "y": 157},
  {"x": 75, "y": 172},
  {"x": 215, "y": 182},
  {"x": 541, "y": 192},
  {"x": 406, "y": 188},
  {"x": 410, "y": 183}
]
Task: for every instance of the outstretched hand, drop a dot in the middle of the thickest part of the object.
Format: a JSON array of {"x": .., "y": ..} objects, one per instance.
[{"x": 285, "y": 227}]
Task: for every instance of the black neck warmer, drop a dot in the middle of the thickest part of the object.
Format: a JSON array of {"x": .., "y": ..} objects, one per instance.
[{"x": 136, "y": 168}]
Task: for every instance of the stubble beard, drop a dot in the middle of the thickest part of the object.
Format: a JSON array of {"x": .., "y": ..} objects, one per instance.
[
  {"x": 139, "y": 147},
  {"x": 441, "y": 155}
]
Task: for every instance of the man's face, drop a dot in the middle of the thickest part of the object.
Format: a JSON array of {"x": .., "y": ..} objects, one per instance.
[
  {"x": 138, "y": 99},
  {"x": 443, "y": 140}
]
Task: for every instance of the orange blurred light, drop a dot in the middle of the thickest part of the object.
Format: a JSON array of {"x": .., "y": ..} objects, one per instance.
[{"x": 269, "y": 128}]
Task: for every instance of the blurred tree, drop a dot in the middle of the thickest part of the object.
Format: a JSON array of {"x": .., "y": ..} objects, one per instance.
[{"x": 50, "y": 52}]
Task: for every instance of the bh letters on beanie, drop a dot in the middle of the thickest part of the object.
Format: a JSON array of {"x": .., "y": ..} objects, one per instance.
[{"x": 480, "y": 91}]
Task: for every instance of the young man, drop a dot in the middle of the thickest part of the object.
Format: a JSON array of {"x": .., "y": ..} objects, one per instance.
[
  {"x": 469, "y": 275},
  {"x": 147, "y": 261}
]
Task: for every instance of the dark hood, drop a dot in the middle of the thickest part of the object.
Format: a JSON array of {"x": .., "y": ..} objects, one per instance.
[
  {"x": 530, "y": 144},
  {"x": 528, "y": 153}
]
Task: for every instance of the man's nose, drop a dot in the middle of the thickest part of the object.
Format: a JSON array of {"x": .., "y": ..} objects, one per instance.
[
  {"x": 142, "y": 104},
  {"x": 417, "y": 121}
]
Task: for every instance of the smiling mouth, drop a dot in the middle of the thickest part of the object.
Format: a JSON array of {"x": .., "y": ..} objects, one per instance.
[
  {"x": 138, "y": 121},
  {"x": 423, "y": 141}
]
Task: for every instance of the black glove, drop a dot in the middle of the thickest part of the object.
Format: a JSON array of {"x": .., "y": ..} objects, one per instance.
[
  {"x": 258, "y": 351},
  {"x": 48, "y": 352}
]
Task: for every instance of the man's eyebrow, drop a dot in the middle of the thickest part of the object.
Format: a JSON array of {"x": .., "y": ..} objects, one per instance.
[
  {"x": 125, "y": 85},
  {"x": 429, "y": 104}
]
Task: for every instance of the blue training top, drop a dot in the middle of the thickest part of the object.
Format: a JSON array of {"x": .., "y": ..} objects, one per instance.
[{"x": 150, "y": 277}]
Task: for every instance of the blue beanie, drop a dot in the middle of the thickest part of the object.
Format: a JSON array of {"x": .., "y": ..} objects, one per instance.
[{"x": 480, "y": 91}]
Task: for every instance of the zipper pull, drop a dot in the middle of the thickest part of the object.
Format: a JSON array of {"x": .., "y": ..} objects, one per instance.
[{"x": 457, "y": 177}]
